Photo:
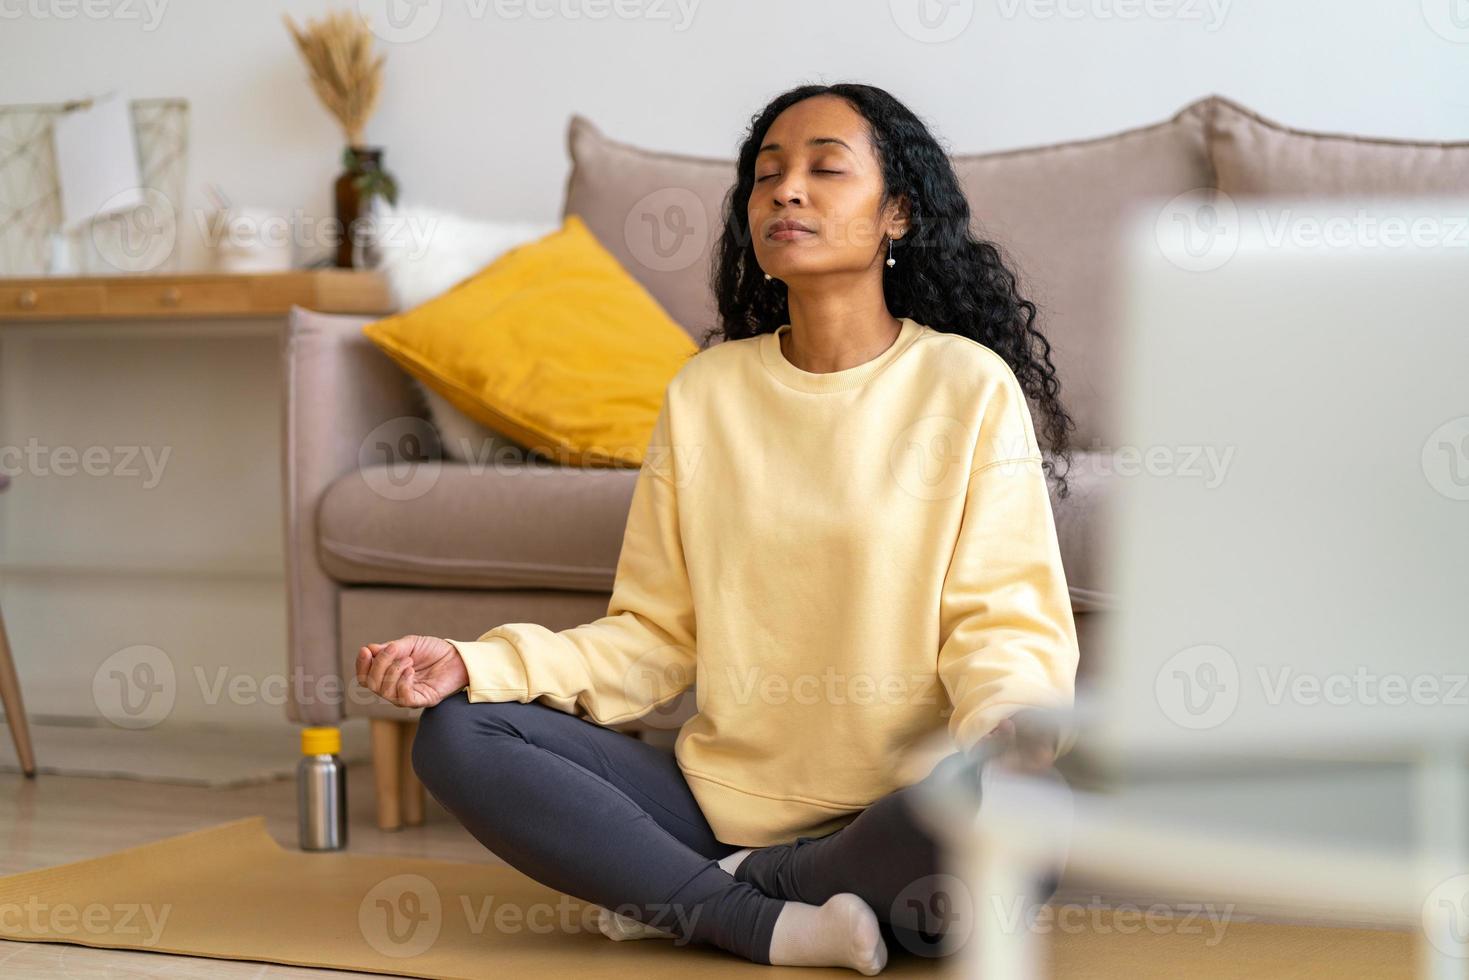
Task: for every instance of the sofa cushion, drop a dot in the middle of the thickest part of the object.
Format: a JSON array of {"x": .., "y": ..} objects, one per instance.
[
  {"x": 658, "y": 213},
  {"x": 547, "y": 527},
  {"x": 477, "y": 526},
  {"x": 1082, "y": 520},
  {"x": 1058, "y": 213},
  {"x": 1056, "y": 209},
  {"x": 1257, "y": 156}
]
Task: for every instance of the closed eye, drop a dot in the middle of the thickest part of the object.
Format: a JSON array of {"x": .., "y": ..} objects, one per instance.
[{"x": 768, "y": 176}]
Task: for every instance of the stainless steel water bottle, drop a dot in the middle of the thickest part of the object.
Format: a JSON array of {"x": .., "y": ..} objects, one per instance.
[{"x": 321, "y": 791}]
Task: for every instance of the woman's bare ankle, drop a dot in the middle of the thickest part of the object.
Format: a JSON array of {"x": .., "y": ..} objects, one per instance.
[{"x": 731, "y": 862}]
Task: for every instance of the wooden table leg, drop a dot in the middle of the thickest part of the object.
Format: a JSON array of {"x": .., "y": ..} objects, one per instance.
[
  {"x": 387, "y": 763},
  {"x": 412, "y": 789},
  {"x": 15, "y": 712}
]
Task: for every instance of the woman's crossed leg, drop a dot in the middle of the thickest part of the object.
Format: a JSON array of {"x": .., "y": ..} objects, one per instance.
[
  {"x": 604, "y": 817},
  {"x": 889, "y": 858}
]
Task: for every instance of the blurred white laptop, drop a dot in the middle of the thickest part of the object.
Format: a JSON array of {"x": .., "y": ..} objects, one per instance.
[
  {"x": 1280, "y": 712},
  {"x": 1291, "y": 534}
]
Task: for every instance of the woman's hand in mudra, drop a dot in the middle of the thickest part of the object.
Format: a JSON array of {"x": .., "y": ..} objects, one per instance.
[
  {"x": 1023, "y": 742},
  {"x": 412, "y": 672}
]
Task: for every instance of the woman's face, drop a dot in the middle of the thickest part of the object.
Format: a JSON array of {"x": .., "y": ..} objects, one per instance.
[{"x": 818, "y": 169}]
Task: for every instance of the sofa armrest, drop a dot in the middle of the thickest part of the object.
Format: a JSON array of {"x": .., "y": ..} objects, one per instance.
[{"x": 338, "y": 387}]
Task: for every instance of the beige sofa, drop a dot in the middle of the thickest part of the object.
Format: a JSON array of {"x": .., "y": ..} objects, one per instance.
[{"x": 461, "y": 549}]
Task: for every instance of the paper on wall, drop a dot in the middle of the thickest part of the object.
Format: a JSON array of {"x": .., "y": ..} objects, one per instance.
[{"x": 97, "y": 160}]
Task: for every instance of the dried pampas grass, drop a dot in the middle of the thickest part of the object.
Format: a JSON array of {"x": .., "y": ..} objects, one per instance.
[{"x": 344, "y": 73}]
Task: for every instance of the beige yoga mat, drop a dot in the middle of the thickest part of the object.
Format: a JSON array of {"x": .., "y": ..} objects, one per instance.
[{"x": 232, "y": 892}]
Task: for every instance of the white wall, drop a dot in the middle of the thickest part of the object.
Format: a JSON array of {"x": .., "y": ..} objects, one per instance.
[{"x": 474, "y": 112}]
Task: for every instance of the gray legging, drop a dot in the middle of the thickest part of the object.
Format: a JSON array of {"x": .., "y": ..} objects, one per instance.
[{"x": 607, "y": 818}]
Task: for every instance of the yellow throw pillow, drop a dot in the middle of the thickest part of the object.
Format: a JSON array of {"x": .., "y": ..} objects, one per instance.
[{"x": 553, "y": 344}]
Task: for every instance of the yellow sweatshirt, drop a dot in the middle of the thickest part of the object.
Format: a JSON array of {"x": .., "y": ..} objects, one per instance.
[{"x": 844, "y": 563}]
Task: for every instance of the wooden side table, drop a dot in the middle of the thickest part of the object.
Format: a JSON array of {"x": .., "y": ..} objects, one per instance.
[
  {"x": 194, "y": 295},
  {"x": 189, "y": 315}
]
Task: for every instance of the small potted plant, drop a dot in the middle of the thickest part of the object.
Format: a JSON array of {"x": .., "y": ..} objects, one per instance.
[{"x": 347, "y": 77}]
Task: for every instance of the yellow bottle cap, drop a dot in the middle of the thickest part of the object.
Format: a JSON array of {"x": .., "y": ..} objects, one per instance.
[{"x": 321, "y": 741}]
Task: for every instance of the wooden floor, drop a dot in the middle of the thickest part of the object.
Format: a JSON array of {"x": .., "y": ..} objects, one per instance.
[{"x": 55, "y": 819}]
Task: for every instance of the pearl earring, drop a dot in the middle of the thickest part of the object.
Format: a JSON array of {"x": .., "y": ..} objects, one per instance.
[
  {"x": 891, "y": 261},
  {"x": 767, "y": 277}
]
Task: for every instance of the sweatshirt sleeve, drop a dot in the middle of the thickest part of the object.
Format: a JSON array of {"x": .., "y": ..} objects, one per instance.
[
  {"x": 1008, "y": 636},
  {"x": 631, "y": 661}
]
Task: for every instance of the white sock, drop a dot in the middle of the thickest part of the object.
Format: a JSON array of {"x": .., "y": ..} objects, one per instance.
[
  {"x": 842, "y": 932},
  {"x": 732, "y": 861},
  {"x": 619, "y": 927}
]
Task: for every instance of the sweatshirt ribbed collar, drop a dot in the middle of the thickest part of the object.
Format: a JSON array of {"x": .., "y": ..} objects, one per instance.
[{"x": 792, "y": 376}]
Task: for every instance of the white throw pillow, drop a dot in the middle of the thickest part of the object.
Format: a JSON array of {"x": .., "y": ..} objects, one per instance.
[
  {"x": 423, "y": 252},
  {"x": 462, "y": 437}
]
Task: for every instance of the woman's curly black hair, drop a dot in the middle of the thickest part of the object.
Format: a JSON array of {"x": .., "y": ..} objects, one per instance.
[{"x": 945, "y": 278}]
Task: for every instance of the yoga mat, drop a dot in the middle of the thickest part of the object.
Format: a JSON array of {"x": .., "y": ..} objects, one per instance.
[{"x": 232, "y": 892}]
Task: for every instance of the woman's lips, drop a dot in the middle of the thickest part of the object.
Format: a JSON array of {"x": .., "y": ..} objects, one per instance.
[{"x": 786, "y": 234}]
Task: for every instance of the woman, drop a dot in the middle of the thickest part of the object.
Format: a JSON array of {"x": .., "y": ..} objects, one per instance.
[{"x": 846, "y": 501}]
